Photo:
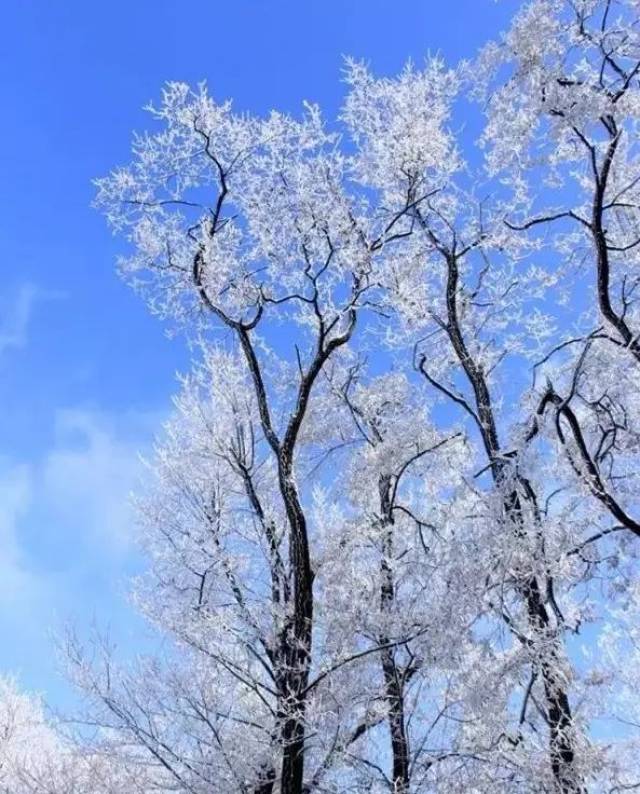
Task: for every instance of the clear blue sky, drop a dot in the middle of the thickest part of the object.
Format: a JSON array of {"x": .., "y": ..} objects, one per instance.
[{"x": 85, "y": 373}]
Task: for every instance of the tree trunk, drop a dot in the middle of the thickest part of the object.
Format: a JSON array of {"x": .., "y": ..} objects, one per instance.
[
  {"x": 393, "y": 676},
  {"x": 558, "y": 708},
  {"x": 266, "y": 782},
  {"x": 298, "y": 638},
  {"x": 397, "y": 728},
  {"x": 293, "y": 735},
  {"x": 561, "y": 740}
]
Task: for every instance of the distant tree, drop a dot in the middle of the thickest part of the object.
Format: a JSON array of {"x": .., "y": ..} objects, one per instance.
[{"x": 37, "y": 757}]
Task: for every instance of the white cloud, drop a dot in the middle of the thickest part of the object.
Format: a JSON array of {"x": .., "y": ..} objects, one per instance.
[
  {"x": 16, "y": 493},
  {"x": 88, "y": 475},
  {"x": 67, "y": 514},
  {"x": 16, "y": 312},
  {"x": 66, "y": 537}
]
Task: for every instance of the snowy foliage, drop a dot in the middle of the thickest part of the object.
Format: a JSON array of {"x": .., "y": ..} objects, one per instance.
[{"x": 392, "y": 525}]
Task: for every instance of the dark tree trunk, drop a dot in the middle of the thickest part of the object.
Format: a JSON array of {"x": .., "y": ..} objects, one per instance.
[
  {"x": 397, "y": 727},
  {"x": 559, "y": 716},
  {"x": 266, "y": 782},
  {"x": 394, "y": 676},
  {"x": 295, "y": 639},
  {"x": 293, "y": 735},
  {"x": 298, "y": 651}
]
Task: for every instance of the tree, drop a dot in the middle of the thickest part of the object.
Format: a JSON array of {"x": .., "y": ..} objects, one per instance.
[
  {"x": 283, "y": 238},
  {"x": 38, "y": 757},
  {"x": 462, "y": 289},
  {"x": 574, "y": 100},
  {"x": 367, "y": 550}
]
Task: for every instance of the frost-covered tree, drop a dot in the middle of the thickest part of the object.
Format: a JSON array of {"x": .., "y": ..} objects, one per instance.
[
  {"x": 461, "y": 287},
  {"x": 26, "y": 741},
  {"x": 562, "y": 96},
  {"x": 283, "y": 242},
  {"x": 382, "y": 510},
  {"x": 38, "y": 757}
]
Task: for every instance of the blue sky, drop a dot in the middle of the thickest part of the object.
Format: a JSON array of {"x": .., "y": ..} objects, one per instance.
[{"x": 85, "y": 374}]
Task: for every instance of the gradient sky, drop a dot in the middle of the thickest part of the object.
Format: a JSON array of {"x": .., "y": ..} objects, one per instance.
[{"x": 85, "y": 374}]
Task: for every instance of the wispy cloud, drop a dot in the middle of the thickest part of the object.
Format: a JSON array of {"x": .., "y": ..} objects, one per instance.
[
  {"x": 16, "y": 494},
  {"x": 88, "y": 475},
  {"x": 67, "y": 534},
  {"x": 67, "y": 514},
  {"x": 16, "y": 312}
]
